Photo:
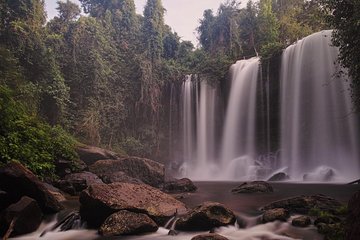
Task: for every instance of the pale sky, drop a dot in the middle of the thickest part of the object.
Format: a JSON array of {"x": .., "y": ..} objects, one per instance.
[{"x": 181, "y": 15}]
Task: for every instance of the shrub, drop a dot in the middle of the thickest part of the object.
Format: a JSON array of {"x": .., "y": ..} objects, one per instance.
[{"x": 25, "y": 138}]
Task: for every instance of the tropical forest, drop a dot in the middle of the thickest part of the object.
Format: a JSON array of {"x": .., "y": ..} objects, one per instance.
[{"x": 180, "y": 119}]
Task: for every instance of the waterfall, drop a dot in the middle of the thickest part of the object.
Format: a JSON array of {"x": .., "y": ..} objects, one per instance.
[
  {"x": 237, "y": 153},
  {"x": 198, "y": 117},
  {"x": 319, "y": 134},
  {"x": 238, "y": 149}
]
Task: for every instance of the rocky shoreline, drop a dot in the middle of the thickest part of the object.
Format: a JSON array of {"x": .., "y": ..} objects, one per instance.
[{"x": 130, "y": 196}]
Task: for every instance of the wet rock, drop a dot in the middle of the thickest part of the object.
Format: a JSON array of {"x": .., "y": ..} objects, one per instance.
[
  {"x": 353, "y": 218},
  {"x": 253, "y": 187},
  {"x": 302, "y": 221},
  {"x": 276, "y": 214},
  {"x": 74, "y": 183},
  {"x": 69, "y": 188},
  {"x": 179, "y": 186},
  {"x": 281, "y": 176},
  {"x": 127, "y": 223},
  {"x": 64, "y": 167},
  {"x": 119, "y": 177},
  {"x": 25, "y": 216},
  {"x": 331, "y": 230},
  {"x": 91, "y": 154},
  {"x": 55, "y": 192},
  {"x": 205, "y": 217},
  {"x": 327, "y": 220},
  {"x": 209, "y": 236},
  {"x": 99, "y": 201},
  {"x": 303, "y": 204},
  {"x": 322, "y": 174},
  {"x": 18, "y": 181},
  {"x": 146, "y": 170},
  {"x": 89, "y": 178},
  {"x": 65, "y": 221}
]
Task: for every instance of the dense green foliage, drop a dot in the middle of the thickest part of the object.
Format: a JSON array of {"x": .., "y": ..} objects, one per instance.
[
  {"x": 26, "y": 139},
  {"x": 263, "y": 28},
  {"x": 344, "y": 16}
]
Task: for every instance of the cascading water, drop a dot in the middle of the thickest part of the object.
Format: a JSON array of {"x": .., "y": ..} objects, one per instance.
[
  {"x": 238, "y": 146},
  {"x": 198, "y": 114},
  {"x": 319, "y": 134}
]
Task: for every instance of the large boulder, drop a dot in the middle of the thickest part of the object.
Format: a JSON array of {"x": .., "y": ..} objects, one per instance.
[
  {"x": 209, "y": 236},
  {"x": 277, "y": 177},
  {"x": 276, "y": 214},
  {"x": 55, "y": 192},
  {"x": 127, "y": 223},
  {"x": 4, "y": 200},
  {"x": 353, "y": 218},
  {"x": 119, "y": 177},
  {"x": 303, "y": 204},
  {"x": 321, "y": 174},
  {"x": 91, "y": 154},
  {"x": 253, "y": 187},
  {"x": 74, "y": 183},
  {"x": 22, "y": 217},
  {"x": 89, "y": 178},
  {"x": 146, "y": 170},
  {"x": 99, "y": 201},
  {"x": 205, "y": 217},
  {"x": 179, "y": 186},
  {"x": 18, "y": 181},
  {"x": 64, "y": 167}
]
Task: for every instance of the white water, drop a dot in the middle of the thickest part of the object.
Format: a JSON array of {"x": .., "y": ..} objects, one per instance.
[
  {"x": 238, "y": 144},
  {"x": 236, "y": 160},
  {"x": 198, "y": 117},
  {"x": 78, "y": 234},
  {"x": 318, "y": 129}
]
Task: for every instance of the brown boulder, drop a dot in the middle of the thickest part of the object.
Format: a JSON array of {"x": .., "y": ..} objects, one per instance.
[
  {"x": 276, "y": 214},
  {"x": 253, "y": 187},
  {"x": 55, "y": 192},
  {"x": 179, "y": 186},
  {"x": 277, "y": 177},
  {"x": 127, "y": 223},
  {"x": 89, "y": 178},
  {"x": 303, "y": 204},
  {"x": 205, "y": 217},
  {"x": 146, "y": 170},
  {"x": 18, "y": 181},
  {"x": 209, "y": 236},
  {"x": 91, "y": 154},
  {"x": 119, "y": 177},
  {"x": 99, "y": 201},
  {"x": 302, "y": 221},
  {"x": 74, "y": 183},
  {"x": 25, "y": 216}
]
